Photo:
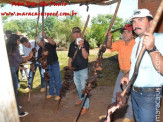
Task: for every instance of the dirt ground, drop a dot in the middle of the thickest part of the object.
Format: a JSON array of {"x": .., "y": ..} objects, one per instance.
[{"x": 43, "y": 110}]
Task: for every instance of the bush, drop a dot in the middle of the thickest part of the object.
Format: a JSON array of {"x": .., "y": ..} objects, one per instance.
[{"x": 92, "y": 43}]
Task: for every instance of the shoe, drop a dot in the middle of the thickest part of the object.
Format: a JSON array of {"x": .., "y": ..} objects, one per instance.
[
  {"x": 84, "y": 110},
  {"x": 78, "y": 102},
  {"x": 27, "y": 90},
  {"x": 57, "y": 98},
  {"x": 23, "y": 78},
  {"x": 127, "y": 120},
  {"x": 23, "y": 114},
  {"x": 42, "y": 90},
  {"x": 18, "y": 85},
  {"x": 49, "y": 96},
  {"x": 20, "y": 107},
  {"x": 102, "y": 116}
]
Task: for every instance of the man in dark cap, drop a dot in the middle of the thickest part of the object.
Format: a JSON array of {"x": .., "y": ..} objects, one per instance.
[{"x": 79, "y": 60}]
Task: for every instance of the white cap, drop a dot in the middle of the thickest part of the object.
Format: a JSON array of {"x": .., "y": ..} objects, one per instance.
[{"x": 141, "y": 13}]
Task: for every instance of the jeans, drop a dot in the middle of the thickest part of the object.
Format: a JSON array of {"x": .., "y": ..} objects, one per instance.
[
  {"x": 15, "y": 84},
  {"x": 146, "y": 105},
  {"x": 31, "y": 75},
  {"x": 80, "y": 82},
  {"x": 129, "y": 113},
  {"x": 55, "y": 78}
]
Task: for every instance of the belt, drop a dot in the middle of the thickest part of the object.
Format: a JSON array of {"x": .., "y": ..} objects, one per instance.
[
  {"x": 124, "y": 71},
  {"x": 146, "y": 89},
  {"x": 53, "y": 62}
]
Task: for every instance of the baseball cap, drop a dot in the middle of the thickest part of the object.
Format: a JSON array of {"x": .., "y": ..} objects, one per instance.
[
  {"x": 141, "y": 13},
  {"x": 76, "y": 30},
  {"x": 127, "y": 27}
]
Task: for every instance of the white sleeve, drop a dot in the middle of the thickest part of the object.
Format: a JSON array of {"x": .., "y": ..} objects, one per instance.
[
  {"x": 159, "y": 42},
  {"x": 21, "y": 51}
]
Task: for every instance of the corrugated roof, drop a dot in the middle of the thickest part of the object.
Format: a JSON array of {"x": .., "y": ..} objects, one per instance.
[{"x": 69, "y": 2}]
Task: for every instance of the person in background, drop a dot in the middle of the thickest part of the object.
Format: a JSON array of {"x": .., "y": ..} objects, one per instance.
[
  {"x": 80, "y": 63},
  {"x": 52, "y": 65},
  {"x": 14, "y": 61},
  {"x": 24, "y": 69},
  {"x": 28, "y": 46},
  {"x": 124, "y": 48},
  {"x": 8, "y": 33}
]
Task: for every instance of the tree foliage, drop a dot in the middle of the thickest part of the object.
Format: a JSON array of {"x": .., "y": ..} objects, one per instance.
[
  {"x": 27, "y": 26},
  {"x": 60, "y": 29},
  {"x": 101, "y": 23}
]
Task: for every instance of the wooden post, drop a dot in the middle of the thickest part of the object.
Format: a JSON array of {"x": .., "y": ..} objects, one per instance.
[
  {"x": 8, "y": 107},
  {"x": 152, "y": 5}
]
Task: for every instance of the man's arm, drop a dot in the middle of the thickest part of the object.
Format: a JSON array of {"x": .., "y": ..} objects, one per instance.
[
  {"x": 84, "y": 51},
  {"x": 49, "y": 39},
  {"x": 69, "y": 62},
  {"x": 157, "y": 58},
  {"x": 109, "y": 41},
  {"x": 28, "y": 57}
]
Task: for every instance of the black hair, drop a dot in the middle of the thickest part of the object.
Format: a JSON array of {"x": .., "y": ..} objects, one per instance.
[
  {"x": 11, "y": 44},
  {"x": 133, "y": 33},
  {"x": 23, "y": 39},
  {"x": 8, "y": 32},
  {"x": 149, "y": 18}
]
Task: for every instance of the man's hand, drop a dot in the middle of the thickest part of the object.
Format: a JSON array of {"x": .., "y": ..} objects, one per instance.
[
  {"x": 81, "y": 43},
  {"x": 148, "y": 41},
  {"x": 124, "y": 80},
  {"x": 44, "y": 34},
  {"x": 45, "y": 53},
  {"x": 22, "y": 68}
]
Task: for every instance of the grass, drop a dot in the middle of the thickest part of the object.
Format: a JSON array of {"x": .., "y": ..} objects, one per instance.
[{"x": 109, "y": 72}]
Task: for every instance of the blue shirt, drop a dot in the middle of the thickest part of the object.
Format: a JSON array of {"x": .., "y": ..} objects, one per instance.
[{"x": 148, "y": 76}]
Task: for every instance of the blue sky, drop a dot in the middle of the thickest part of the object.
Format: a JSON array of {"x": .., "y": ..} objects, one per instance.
[{"x": 125, "y": 11}]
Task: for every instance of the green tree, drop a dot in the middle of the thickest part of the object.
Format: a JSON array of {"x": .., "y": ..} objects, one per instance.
[
  {"x": 2, "y": 5},
  {"x": 51, "y": 24},
  {"x": 27, "y": 26},
  {"x": 68, "y": 23},
  {"x": 101, "y": 23}
]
